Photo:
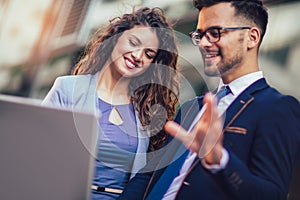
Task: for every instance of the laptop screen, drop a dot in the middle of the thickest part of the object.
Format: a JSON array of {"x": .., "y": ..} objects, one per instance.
[{"x": 45, "y": 153}]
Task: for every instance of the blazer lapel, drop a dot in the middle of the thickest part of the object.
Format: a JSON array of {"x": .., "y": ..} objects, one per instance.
[
  {"x": 242, "y": 101},
  {"x": 185, "y": 117},
  {"x": 176, "y": 152},
  {"x": 84, "y": 94},
  {"x": 141, "y": 152}
]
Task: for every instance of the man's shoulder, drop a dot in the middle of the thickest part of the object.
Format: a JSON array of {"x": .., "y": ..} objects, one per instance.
[
  {"x": 272, "y": 94},
  {"x": 188, "y": 110},
  {"x": 268, "y": 98},
  {"x": 197, "y": 101}
]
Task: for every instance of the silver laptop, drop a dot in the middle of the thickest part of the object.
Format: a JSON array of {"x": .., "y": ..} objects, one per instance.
[{"x": 45, "y": 153}]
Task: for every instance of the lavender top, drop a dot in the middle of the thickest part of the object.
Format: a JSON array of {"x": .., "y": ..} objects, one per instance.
[{"x": 116, "y": 147}]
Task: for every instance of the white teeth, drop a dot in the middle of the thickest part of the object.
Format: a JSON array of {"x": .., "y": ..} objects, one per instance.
[
  {"x": 130, "y": 64},
  {"x": 210, "y": 56}
]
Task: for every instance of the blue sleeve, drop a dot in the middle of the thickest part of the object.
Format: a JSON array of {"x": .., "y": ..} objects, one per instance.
[
  {"x": 58, "y": 94},
  {"x": 274, "y": 151}
]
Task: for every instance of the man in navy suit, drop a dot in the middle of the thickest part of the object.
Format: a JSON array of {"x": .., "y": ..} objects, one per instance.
[{"x": 244, "y": 146}]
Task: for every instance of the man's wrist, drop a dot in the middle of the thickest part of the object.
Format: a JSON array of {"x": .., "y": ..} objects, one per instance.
[
  {"x": 214, "y": 157},
  {"x": 217, "y": 167}
]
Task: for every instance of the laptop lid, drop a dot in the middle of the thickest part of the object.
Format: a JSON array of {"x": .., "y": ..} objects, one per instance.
[{"x": 45, "y": 153}]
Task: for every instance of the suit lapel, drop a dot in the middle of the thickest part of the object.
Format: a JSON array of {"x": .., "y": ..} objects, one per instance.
[
  {"x": 242, "y": 101},
  {"x": 237, "y": 107},
  {"x": 185, "y": 117},
  {"x": 176, "y": 151},
  {"x": 188, "y": 113}
]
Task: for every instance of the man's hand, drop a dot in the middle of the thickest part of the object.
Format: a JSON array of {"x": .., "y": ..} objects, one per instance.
[{"x": 206, "y": 137}]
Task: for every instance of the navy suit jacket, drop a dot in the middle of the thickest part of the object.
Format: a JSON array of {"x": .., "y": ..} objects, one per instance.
[{"x": 262, "y": 136}]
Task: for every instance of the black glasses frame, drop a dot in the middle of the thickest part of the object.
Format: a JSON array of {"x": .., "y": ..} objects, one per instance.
[{"x": 212, "y": 34}]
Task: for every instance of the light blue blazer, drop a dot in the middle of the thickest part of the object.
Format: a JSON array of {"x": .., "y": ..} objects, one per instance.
[{"x": 79, "y": 93}]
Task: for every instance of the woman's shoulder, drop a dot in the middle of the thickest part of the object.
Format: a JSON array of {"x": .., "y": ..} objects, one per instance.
[{"x": 73, "y": 79}]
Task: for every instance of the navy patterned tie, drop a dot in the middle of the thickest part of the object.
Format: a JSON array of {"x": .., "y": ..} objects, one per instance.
[{"x": 222, "y": 92}]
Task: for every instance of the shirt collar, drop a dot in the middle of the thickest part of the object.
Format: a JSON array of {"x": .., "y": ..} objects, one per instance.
[{"x": 238, "y": 85}]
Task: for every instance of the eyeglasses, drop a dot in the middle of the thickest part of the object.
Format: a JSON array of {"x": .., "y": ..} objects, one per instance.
[{"x": 212, "y": 34}]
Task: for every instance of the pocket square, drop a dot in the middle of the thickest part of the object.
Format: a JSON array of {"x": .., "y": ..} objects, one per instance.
[{"x": 236, "y": 130}]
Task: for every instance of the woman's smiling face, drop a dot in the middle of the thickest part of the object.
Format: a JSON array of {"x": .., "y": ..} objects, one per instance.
[{"x": 134, "y": 51}]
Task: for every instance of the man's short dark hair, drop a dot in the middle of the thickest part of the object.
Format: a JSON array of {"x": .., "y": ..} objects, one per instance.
[{"x": 252, "y": 10}]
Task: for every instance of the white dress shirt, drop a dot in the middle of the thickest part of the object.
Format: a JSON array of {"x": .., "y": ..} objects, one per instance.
[{"x": 237, "y": 87}]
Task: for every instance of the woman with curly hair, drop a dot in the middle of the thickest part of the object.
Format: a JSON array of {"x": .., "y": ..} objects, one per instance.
[{"x": 128, "y": 78}]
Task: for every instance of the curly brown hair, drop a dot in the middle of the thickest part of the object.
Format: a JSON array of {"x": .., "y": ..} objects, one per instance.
[{"x": 155, "y": 92}]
